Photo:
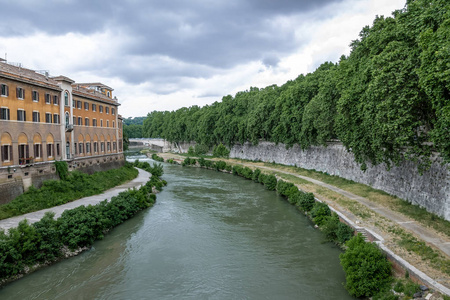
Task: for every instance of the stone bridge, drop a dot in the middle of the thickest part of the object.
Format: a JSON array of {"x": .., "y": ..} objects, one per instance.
[{"x": 160, "y": 145}]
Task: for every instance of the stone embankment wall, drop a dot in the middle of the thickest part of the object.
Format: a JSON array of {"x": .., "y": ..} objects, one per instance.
[{"x": 430, "y": 190}]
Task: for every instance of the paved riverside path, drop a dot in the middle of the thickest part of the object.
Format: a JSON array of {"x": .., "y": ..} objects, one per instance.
[{"x": 32, "y": 217}]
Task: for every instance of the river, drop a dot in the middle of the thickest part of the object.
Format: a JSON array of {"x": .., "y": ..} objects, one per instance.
[{"x": 209, "y": 236}]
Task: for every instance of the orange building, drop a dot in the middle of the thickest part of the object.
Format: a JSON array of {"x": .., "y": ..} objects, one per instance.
[{"x": 45, "y": 118}]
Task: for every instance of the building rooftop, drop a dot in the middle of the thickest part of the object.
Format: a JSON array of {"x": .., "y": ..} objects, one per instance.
[{"x": 17, "y": 72}]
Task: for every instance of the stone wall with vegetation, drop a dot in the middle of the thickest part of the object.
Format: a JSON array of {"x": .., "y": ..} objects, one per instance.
[{"x": 430, "y": 190}]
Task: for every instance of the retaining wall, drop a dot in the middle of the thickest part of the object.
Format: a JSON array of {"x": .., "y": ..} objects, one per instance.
[
  {"x": 430, "y": 190},
  {"x": 15, "y": 180}
]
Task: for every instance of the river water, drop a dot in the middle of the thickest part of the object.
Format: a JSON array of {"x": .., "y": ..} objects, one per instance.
[{"x": 209, "y": 236}]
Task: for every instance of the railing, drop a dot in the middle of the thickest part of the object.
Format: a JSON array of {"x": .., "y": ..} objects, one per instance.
[
  {"x": 69, "y": 127},
  {"x": 26, "y": 160}
]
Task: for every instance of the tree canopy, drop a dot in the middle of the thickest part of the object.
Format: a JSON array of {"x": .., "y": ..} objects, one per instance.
[{"x": 387, "y": 101}]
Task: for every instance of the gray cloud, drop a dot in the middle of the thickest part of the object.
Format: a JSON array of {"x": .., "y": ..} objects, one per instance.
[{"x": 200, "y": 37}]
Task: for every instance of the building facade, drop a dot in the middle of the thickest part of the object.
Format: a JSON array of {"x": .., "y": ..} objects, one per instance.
[{"x": 43, "y": 119}]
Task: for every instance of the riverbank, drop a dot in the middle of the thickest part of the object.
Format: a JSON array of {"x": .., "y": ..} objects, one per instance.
[
  {"x": 391, "y": 231},
  {"x": 38, "y": 239}
]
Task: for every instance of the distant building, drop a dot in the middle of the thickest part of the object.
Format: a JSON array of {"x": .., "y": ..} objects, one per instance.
[{"x": 43, "y": 119}]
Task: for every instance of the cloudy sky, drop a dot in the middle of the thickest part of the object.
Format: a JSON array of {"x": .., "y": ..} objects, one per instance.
[{"x": 163, "y": 55}]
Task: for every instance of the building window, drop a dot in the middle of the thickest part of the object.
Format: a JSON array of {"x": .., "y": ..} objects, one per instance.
[
  {"x": 79, "y": 104},
  {"x": 58, "y": 151},
  {"x": 66, "y": 99},
  {"x": 37, "y": 150},
  {"x": 94, "y": 107},
  {"x": 94, "y": 122},
  {"x": 95, "y": 147},
  {"x": 56, "y": 119},
  {"x": 81, "y": 145},
  {"x": 47, "y": 98},
  {"x": 7, "y": 153},
  {"x": 74, "y": 103},
  {"x": 74, "y": 121},
  {"x": 36, "y": 116},
  {"x": 86, "y": 121},
  {"x": 75, "y": 148},
  {"x": 24, "y": 153},
  {"x": 21, "y": 115},
  {"x": 48, "y": 118},
  {"x": 55, "y": 100},
  {"x": 50, "y": 150},
  {"x": 88, "y": 147},
  {"x": 86, "y": 105},
  {"x": 114, "y": 146},
  {"x": 114, "y": 125},
  {"x": 100, "y": 108},
  {"x": 107, "y": 123},
  {"x": 4, "y": 113},
  {"x": 4, "y": 90},
  {"x": 109, "y": 95},
  {"x": 35, "y": 96},
  {"x": 101, "y": 123},
  {"x": 102, "y": 146},
  {"x": 108, "y": 146},
  {"x": 20, "y": 93},
  {"x": 80, "y": 121},
  {"x": 113, "y": 111},
  {"x": 107, "y": 109}
]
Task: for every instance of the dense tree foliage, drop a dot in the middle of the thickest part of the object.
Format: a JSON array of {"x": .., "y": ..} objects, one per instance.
[
  {"x": 387, "y": 101},
  {"x": 132, "y": 127}
]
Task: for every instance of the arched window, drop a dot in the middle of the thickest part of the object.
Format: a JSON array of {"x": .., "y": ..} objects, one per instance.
[{"x": 66, "y": 99}]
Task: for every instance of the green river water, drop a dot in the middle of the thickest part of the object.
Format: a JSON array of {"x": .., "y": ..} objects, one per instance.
[{"x": 209, "y": 236}]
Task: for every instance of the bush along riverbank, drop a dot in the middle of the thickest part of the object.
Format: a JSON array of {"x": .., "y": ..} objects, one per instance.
[
  {"x": 368, "y": 272},
  {"x": 71, "y": 186},
  {"x": 31, "y": 246}
]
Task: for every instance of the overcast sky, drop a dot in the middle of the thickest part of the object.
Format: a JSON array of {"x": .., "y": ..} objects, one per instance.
[{"x": 163, "y": 55}]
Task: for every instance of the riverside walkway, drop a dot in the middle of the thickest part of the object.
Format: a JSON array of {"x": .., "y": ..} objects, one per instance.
[{"x": 32, "y": 217}]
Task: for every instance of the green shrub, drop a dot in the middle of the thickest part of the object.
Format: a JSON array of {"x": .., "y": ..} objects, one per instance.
[
  {"x": 157, "y": 158},
  {"x": 306, "y": 201},
  {"x": 221, "y": 151},
  {"x": 330, "y": 227},
  {"x": 191, "y": 151},
  {"x": 247, "y": 173},
  {"x": 62, "y": 169},
  {"x": 255, "y": 176},
  {"x": 270, "y": 182},
  {"x": 320, "y": 212},
  {"x": 344, "y": 233},
  {"x": 220, "y": 165},
  {"x": 189, "y": 161},
  {"x": 367, "y": 271},
  {"x": 201, "y": 149}
]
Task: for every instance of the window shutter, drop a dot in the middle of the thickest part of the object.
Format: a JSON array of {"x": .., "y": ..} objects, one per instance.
[
  {"x": 3, "y": 149},
  {"x": 10, "y": 153},
  {"x": 7, "y": 90},
  {"x": 23, "y": 93},
  {"x": 27, "y": 150},
  {"x": 17, "y": 92},
  {"x": 37, "y": 96}
]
